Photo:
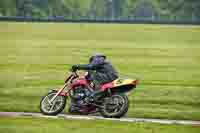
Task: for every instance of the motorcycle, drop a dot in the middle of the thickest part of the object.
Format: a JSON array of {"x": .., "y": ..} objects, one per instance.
[{"x": 114, "y": 102}]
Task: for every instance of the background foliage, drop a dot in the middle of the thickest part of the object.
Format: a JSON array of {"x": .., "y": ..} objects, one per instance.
[{"x": 178, "y": 10}]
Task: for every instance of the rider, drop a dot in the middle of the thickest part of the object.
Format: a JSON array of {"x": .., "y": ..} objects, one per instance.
[{"x": 100, "y": 71}]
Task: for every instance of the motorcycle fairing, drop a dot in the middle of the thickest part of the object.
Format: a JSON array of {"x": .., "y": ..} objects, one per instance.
[
  {"x": 119, "y": 83},
  {"x": 78, "y": 82}
]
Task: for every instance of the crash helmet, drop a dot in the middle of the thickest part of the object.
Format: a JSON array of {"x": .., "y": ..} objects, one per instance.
[{"x": 98, "y": 55}]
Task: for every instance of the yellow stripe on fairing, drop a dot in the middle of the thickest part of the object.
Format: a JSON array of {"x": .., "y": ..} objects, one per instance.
[{"x": 120, "y": 82}]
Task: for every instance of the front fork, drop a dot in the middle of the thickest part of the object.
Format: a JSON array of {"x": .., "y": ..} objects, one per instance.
[
  {"x": 58, "y": 93},
  {"x": 61, "y": 90}
]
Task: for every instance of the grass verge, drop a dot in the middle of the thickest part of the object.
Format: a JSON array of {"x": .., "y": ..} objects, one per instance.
[
  {"x": 33, "y": 125},
  {"x": 35, "y": 56}
]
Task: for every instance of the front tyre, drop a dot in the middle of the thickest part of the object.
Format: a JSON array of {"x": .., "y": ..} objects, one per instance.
[
  {"x": 54, "y": 107},
  {"x": 115, "y": 107}
]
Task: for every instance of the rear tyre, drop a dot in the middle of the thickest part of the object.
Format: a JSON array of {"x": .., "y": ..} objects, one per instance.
[
  {"x": 115, "y": 107},
  {"x": 54, "y": 108}
]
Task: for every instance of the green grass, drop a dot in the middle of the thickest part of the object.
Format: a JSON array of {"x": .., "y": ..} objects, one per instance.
[
  {"x": 35, "y": 57},
  {"x": 32, "y": 125}
]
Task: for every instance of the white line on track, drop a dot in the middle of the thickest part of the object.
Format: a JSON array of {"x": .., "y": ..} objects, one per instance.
[{"x": 66, "y": 116}]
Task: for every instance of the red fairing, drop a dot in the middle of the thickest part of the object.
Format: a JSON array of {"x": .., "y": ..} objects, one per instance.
[
  {"x": 79, "y": 82},
  {"x": 106, "y": 86}
]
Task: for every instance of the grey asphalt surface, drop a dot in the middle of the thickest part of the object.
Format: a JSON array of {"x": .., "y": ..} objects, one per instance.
[{"x": 66, "y": 116}]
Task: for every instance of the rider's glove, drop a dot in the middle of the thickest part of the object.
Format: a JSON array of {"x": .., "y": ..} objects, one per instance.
[{"x": 74, "y": 68}]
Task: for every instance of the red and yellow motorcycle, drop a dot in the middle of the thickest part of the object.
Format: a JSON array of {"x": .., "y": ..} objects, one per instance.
[{"x": 113, "y": 103}]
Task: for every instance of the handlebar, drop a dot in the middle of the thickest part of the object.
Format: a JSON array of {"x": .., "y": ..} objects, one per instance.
[{"x": 73, "y": 75}]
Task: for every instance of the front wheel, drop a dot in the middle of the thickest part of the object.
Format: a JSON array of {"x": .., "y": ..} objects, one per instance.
[
  {"x": 115, "y": 107},
  {"x": 54, "y": 107}
]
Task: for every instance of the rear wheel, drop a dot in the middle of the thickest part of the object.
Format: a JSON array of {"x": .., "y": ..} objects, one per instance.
[
  {"x": 115, "y": 106},
  {"x": 52, "y": 108}
]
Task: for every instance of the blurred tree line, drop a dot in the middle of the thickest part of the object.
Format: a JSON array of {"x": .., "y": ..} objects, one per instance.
[{"x": 186, "y": 10}]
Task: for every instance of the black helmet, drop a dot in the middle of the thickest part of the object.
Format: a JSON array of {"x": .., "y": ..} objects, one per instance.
[{"x": 97, "y": 56}]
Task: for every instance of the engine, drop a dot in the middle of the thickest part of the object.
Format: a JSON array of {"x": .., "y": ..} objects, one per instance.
[{"x": 79, "y": 93}]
